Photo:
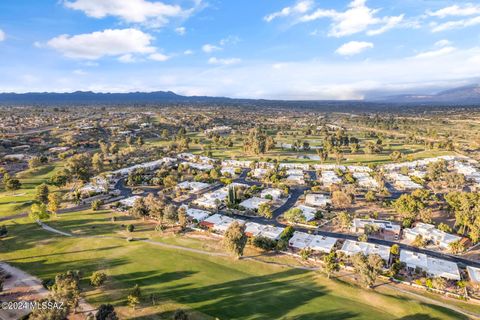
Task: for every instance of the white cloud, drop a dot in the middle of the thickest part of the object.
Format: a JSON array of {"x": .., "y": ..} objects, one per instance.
[
  {"x": 435, "y": 53},
  {"x": 79, "y": 72},
  {"x": 154, "y": 14},
  {"x": 158, "y": 57},
  {"x": 443, "y": 43},
  {"x": 354, "y": 47},
  {"x": 457, "y": 24},
  {"x": 390, "y": 23},
  {"x": 2, "y": 35},
  {"x": 209, "y": 48},
  {"x": 181, "y": 30},
  {"x": 300, "y": 7},
  {"x": 455, "y": 10},
  {"x": 110, "y": 42},
  {"x": 224, "y": 62},
  {"x": 127, "y": 58},
  {"x": 188, "y": 52},
  {"x": 357, "y": 18}
]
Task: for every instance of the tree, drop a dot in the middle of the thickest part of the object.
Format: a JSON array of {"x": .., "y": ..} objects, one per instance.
[
  {"x": 97, "y": 162},
  {"x": 182, "y": 217},
  {"x": 56, "y": 312},
  {"x": 367, "y": 268},
  {"x": 34, "y": 163},
  {"x": 96, "y": 204},
  {"x": 38, "y": 211},
  {"x": 139, "y": 209},
  {"x": 106, "y": 312},
  {"x": 41, "y": 193},
  {"x": 97, "y": 278},
  {"x": 456, "y": 247},
  {"x": 444, "y": 227},
  {"x": 265, "y": 210},
  {"x": 134, "y": 297},
  {"x": 180, "y": 315},
  {"x": 344, "y": 220},
  {"x": 370, "y": 196},
  {"x": 408, "y": 206},
  {"x": 11, "y": 184},
  {"x": 130, "y": 228},
  {"x": 60, "y": 178},
  {"x": 3, "y": 233},
  {"x": 53, "y": 203},
  {"x": 395, "y": 250},
  {"x": 419, "y": 242},
  {"x": 341, "y": 199},
  {"x": 235, "y": 239},
  {"x": 67, "y": 289},
  {"x": 171, "y": 213},
  {"x": 331, "y": 264},
  {"x": 295, "y": 215},
  {"x": 80, "y": 166}
]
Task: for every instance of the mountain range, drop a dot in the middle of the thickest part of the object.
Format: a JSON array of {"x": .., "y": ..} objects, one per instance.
[{"x": 467, "y": 95}]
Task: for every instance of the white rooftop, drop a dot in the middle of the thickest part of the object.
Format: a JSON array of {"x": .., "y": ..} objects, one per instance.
[
  {"x": 301, "y": 240},
  {"x": 433, "y": 266},
  {"x": 351, "y": 247}
]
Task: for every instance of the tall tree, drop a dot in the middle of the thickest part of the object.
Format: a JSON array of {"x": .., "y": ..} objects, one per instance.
[{"x": 235, "y": 239}]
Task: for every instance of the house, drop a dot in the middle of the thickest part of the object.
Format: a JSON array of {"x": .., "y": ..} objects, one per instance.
[
  {"x": 213, "y": 199},
  {"x": 21, "y": 148},
  {"x": 253, "y": 229},
  {"x": 364, "y": 180},
  {"x": 274, "y": 193},
  {"x": 351, "y": 248},
  {"x": 403, "y": 182},
  {"x": 193, "y": 186},
  {"x": 302, "y": 240},
  {"x": 473, "y": 274},
  {"x": 293, "y": 166},
  {"x": 152, "y": 165},
  {"x": 219, "y": 223},
  {"x": 317, "y": 200},
  {"x": 294, "y": 172},
  {"x": 236, "y": 163},
  {"x": 58, "y": 149},
  {"x": 430, "y": 233},
  {"x": 129, "y": 202},
  {"x": 329, "y": 178},
  {"x": 432, "y": 266},
  {"x": 386, "y": 228},
  {"x": 218, "y": 130},
  {"x": 308, "y": 212},
  {"x": 228, "y": 170},
  {"x": 259, "y": 173},
  {"x": 198, "y": 166},
  {"x": 253, "y": 203},
  {"x": 295, "y": 179},
  {"x": 359, "y": 169},
  {"x": 15, "y": 157},
  {"x": 328, "y": 167},
  {"x": 196, "y": 214}
]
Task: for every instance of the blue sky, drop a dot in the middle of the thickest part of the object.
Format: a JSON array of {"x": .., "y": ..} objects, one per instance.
[{"x": 304, "y": 49}]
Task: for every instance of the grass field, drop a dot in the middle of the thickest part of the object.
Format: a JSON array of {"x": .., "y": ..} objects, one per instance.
[
  {"x": 19, "y": 201},
  {"x": 208, "y": 286}
]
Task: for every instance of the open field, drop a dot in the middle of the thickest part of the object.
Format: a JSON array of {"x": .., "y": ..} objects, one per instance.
[
  {"x": 210, "y": 286},
  {"x": 19, "y": 201}
]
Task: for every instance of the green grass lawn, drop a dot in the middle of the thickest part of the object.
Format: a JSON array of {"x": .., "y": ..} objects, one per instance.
[
  {"x": 208, "y": 286},
  {"x": 19, "y": 201}
]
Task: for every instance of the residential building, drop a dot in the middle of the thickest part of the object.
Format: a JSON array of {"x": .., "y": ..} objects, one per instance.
[
  {"x": 317, "y": 200},
  {"x": 351, "y": 247},
  {"x": 430, "y": 233},
  {"x": 432, "y": 266},
  {"x": 302, "y": 240}
]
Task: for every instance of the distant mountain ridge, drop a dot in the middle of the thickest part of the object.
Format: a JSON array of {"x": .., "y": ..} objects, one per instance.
[
  {"x": 461, "y": 95},
  {"x": 467, "y": 95}
]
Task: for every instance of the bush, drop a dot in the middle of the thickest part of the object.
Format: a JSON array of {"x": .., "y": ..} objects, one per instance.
[
  {"x": 264, "y": 243},
  {"x": 130, "y": 228},
  {"x": 97, "y": 278}
]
